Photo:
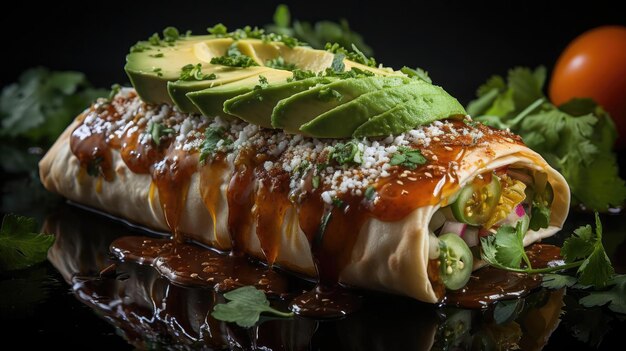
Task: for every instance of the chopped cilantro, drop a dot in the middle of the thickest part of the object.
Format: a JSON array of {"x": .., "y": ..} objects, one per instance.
[
  {"x": 234, "y": 58},
  {"x": 337, "y": 64},
  {"x": 157, "y": 55},
  {"x": 315, "y": 182},
  {"x": 218, "y": 30},
  {"x": 194, "y": 72},
  {"x": 279, "y": 63},
  {"x": 158, "y": 131},
  {"x": 356, "y": 55},
  {"x": 370, "y": 193},
  {"x": 407, "y": 157},
  {"x": 416, "y": 73},
  {"x": 345, "y": 153},
  {"x": 212, "y": 137}
]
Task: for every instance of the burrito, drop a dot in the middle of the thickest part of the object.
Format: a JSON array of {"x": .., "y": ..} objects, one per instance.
[{"x": 373, "y": 179}]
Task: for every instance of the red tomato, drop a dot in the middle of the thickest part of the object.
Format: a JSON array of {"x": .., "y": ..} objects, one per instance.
[{"x": 594, "y": 66}]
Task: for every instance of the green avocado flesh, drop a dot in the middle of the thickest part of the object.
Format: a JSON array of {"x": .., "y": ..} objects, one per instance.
[
  {"x": 263, "y": 91},
  {"x": 343, "y": 120},
  {"x": 292, "y": 112},
  {"x": 422, "y": 110},
  {"x": 256, "y": 106}
]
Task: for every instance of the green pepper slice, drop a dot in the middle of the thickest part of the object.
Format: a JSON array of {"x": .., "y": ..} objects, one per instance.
[{"x": 476, "y": 202}]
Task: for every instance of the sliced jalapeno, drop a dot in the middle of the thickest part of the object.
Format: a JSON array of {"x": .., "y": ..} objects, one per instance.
[
  {"x": 476, "y": 202},
  {"x": 456, "y": 261}
]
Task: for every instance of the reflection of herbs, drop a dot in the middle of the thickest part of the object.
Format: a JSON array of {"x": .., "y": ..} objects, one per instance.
[
  {"x": 21, "y": 245},
  {"x": 245, "y": 306}
]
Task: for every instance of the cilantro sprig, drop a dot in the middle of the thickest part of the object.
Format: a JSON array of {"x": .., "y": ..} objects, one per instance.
[
  {"x": 576, "y": 138},
  {"x": 345, "y": 153},
  {"x": 245, "y": 306},
  {"x": 583, "y": 250},
  {"x": 215, "y": 139},
  {"x": 157, "y": 131},
  {"x": 234, "y": 58},
  {"x": 21, "y": 244}
]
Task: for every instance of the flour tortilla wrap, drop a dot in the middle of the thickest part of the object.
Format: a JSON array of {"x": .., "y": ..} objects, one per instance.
[{"x": 388, "y": 256}]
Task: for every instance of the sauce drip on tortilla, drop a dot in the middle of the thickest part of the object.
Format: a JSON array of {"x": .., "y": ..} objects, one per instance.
[{"x": 259, "y": 200}]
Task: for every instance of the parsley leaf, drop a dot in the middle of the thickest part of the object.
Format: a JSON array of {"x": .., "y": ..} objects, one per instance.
[
  {"x": 194, "y": 72},
  {"x": 245, "y": 307},
  {"x": 510, "y": 243},
  {"x": 21, "y": 245},
  {"x": 614, "y": 297},
  {"x": 408, "y": 158}
]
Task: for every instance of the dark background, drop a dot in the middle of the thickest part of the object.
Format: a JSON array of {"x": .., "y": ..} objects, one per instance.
[{"x": 460, "y": 43}]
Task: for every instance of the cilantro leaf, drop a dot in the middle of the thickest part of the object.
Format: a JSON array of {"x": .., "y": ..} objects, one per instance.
[
  {"x": 282, "y": 16},
  {"x": 279, "y": 63},
  {"x": 42, "y": 103},
  {"x": 21, "y": 245},
  {"x": 337, "y": 64},
  {"x": 579, "y": 245},
  {"x": 614, "y": 297},
  {"x": 576, "y": 138},
  {"x": 245, "y": 307},
  {"x": 510, "y": 243},
  {"x": 557, "y": 281}
]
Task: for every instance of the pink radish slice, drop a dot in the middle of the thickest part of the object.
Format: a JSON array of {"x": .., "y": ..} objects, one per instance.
[
  {"x": 520, "y": 211},
  {"x": 457, "y": 228},
  {"x": 471, "y": 236}
]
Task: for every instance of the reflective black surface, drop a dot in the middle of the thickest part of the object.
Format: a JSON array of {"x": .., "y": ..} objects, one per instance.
[{"x": 67, "y": 302}]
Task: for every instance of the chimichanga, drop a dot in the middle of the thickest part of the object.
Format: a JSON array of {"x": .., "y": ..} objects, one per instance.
[{"x": 369, "y": 211}]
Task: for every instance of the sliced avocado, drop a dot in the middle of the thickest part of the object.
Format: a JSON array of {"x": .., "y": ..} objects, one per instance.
[
  {"x": 422, "y": 110},
  {"x": 178, "y": 89},
  {"x": 294, "y": 111},
  {"x": 343, "y": 120},
  {"x": 149, "y": 67},
  {"x": 256, "y": 106},
  {"x": 211, "y": 101}
]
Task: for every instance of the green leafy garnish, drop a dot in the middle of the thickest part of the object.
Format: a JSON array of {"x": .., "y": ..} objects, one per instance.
[
  {"x": 615, "y": 297},
  {"x": 115, "y": 89},
  {"x": 315, "y": 181},
  {"x": 157, "y": 131},
  {"x": 279, "y": 63},
  {"x": 248, "y": 32},
  {"x": 214, "y": 140},
  {"x": 21, "y": 245},
  {"x": 218, "y": 30},
  {"x": 539, "y": 216},
  {"x": 170, "y": 35},
  {"x": 356, "y": 55},
  {"x": 576, "y": 138},
  {"x": 43, "y": 103},
  {"x": 317, "y": 34},
  {"x": 345, "y": 153},
  {"x": 263, "y": 83},
  {"x": 327, "y": 94},
  {"x": 583, "y": 249},
  {"x": 157, "y": 55},
  {"x": 245, "y": 306},
  {"x": 194, "y": 72},
  {"x": 407, "y": 157},
  {"x": 234, "y": 58},
  {"x": 557, "y": 281},
  {"x": 370, "y": 193},
  {"x": 337, "y": 65}
]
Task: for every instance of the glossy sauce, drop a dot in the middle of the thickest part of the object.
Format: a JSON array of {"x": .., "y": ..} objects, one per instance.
[{"x": 259, "y": 199}]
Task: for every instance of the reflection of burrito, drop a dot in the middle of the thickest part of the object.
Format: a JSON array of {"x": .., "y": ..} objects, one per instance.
[{"x": 372, "y": 213}]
